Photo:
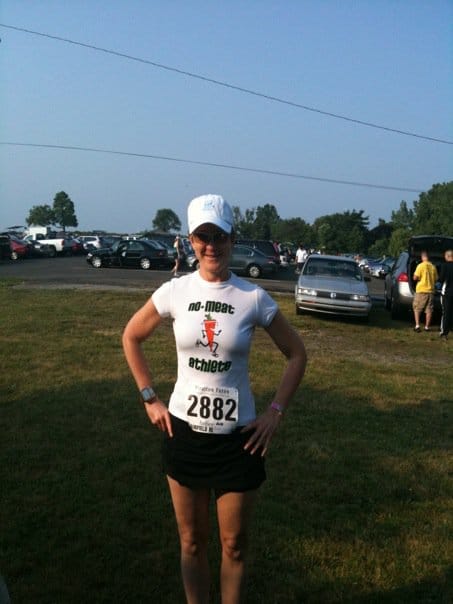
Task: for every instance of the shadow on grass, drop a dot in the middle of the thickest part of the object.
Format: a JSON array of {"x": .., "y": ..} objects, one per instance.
[
  {"x": 354, "y": 509},
  {"x": 378, "y": 318}
]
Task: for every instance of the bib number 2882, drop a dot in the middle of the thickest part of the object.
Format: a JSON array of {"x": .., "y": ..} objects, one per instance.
[{"x": 213, "y": 412}]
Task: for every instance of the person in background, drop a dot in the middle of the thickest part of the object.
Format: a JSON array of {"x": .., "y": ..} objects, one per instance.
[
  {"x": 301, "y": 256},
  {"x": 214, "y": 442},
  {"x": 179, "y": 247},
  {"x": 426, "y": 276},
  {"x": 446, "y": 293}
]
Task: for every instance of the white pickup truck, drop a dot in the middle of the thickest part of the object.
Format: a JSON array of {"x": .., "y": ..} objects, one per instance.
[{"x": 56, "y": 245}]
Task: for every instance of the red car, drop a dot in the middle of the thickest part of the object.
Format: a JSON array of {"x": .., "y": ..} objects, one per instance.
[
  {"x": 19, "y": 248},
  {"x": 76, "y": 246}
]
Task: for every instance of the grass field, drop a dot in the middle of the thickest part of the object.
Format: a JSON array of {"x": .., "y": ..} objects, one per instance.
[{"x": 358, "y": 503}]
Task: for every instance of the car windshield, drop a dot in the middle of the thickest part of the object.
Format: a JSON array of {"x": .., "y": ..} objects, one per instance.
[{"x": 321, "y": 267}]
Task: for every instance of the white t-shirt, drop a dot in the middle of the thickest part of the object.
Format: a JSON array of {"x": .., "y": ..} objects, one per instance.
[
  {"x": 301, "y": 255},
  {"x": 213, "y": 325}
]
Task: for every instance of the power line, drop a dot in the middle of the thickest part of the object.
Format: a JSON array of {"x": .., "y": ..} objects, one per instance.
[
  {"x": 214, "y": 165},
  {"x": 231, "y": 86}
]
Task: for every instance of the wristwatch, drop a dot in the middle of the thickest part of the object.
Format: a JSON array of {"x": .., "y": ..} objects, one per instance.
[{"x": 148, "y": 394}]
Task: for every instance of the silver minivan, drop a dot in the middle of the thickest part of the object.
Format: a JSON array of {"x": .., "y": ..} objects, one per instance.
[{"x": 399, "y": 286}]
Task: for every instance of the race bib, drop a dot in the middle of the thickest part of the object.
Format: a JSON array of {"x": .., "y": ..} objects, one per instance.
[{"x": 212, "y": 409}]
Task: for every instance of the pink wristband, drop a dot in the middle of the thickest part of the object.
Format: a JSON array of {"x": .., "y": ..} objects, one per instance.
[{"x": 277, "y": 407}]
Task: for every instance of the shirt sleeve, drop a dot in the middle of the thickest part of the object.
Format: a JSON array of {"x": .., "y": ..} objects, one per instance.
[
  {"x": 163, "y": 299},
  {"x": 266, "y": 308}
]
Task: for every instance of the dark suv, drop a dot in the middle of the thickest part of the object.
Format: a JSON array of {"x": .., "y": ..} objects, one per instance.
[
  {"x": 399, "y": 284},
  {"x": 264, "y": 246}
]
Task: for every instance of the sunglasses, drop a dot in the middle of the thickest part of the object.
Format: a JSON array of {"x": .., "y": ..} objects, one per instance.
[{"x": 218, "y": 237}]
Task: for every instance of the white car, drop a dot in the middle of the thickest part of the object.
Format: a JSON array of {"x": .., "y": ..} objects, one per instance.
[
  {"x": 91, "y": 242},
  {"x": 332, "y": 285}
]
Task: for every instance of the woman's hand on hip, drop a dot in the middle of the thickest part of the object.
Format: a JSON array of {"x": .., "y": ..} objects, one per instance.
[{"x": 263, "y": 427}]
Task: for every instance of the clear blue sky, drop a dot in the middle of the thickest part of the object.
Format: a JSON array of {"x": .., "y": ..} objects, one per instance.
[{"x": 387, "y": 62}]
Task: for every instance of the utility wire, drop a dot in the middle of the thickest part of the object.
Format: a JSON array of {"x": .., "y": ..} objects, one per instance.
[
  {"x": 214, "y": 165},
  {"x": 231, "y": 86}
]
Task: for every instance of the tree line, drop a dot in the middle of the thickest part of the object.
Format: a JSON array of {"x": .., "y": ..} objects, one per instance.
[{"x": 430, "y": 214}]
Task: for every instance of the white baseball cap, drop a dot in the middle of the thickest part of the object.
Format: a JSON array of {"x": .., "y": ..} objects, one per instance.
[{"x": 212, "y": 209}]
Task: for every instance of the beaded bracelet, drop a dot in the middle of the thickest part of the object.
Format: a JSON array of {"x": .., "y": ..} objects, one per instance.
[{"x": 277, "y": 407}]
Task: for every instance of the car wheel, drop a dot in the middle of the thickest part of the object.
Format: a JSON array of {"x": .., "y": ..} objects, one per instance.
[
  {"x": 145, "y": 263},
  {"x": 254, "y": 271},
  {"x": 52, "y": 251},
  {"x": 299, "y": 311},
  {"x": 14, "y": 256},
  {"x": 96, "y": 261}
]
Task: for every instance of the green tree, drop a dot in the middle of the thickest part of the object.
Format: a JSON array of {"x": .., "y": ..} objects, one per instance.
[
  {"x": 244, "y": 222},
  {"x": 293, "y": 230},
  {"x": 166, "y": 220},
  {"x": 345, "y": 232},
  {"x": 42, "y": 215},
  {"x": 265, "y": 218},
  {"x": 433, "y": 212},
  {"x": 398, "y": 241},
  {"x": 403, "y": 218},
  {"x": 379, "y": 248},
  {"x": 63, "y": 209},
  {"x": 378, "y": 238}
]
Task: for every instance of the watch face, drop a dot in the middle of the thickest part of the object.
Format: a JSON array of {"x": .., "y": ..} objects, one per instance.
[{"x": 148, "y": 394}]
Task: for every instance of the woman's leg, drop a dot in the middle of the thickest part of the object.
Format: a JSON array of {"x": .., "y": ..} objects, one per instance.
[
  {"x": 233, "y": 513},
  {"x": 192, "y": 517}
]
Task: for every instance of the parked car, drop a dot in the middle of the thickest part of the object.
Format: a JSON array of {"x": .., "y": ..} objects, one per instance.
[
  {"x": 109, "y": 240},
  {"x": 76, "y": 246},
  {"x": 37, "y": 249},
  {"x": 264, "y": 246},
  {"x": 399, "y": 285},
  {"x": 172, "y": 253},
  {"x": 366, "y": 262},
  {"x": 244, "y": 260},
  {"x": 92, "y": 241},
  {"x": 380, "y": 268},
  {"x": 59, "y": 242},
  {"x": 133, "y": 253},
  {"x": 19, "y": 248},
  {"x": 332, "y": 285}
]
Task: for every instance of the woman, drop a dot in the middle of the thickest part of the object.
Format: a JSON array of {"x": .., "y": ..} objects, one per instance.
[
  {"x": 179, "y": 247},
  {"x": 213, "y": 440}
]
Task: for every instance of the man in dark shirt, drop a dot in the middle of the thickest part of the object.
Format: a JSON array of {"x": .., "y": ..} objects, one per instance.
[{"x": 446, "y": 281}]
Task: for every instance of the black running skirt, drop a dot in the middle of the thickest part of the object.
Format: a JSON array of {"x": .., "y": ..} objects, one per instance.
[{"x": 214, "y": 461}]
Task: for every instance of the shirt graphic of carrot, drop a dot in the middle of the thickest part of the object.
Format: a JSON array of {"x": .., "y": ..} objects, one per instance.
[{"x": 209, "y": 332}]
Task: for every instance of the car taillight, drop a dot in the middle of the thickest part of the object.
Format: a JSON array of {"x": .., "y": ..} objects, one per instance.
[{"x": 403, "y": 278}]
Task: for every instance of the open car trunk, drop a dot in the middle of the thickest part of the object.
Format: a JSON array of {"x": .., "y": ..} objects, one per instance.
[{"x": 434, "y": 245}]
